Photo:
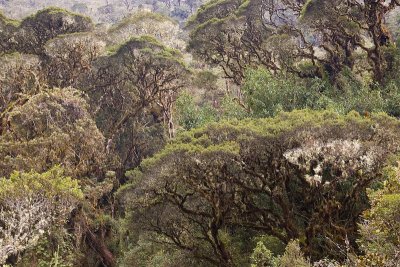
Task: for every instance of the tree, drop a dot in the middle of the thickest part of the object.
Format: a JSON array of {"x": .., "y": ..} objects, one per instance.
[
  {"x": 282, "y": 35},
  {"x": 129, "y": 4},
  {"x": 236, "y": 35},
  {"x": 22, "y": 75},
  {"x": 30, "y": 205},
  {"x": 30, "y": 35},
  {"x": 216, "y": 38},
  {"x": 80, "y": 8},
  {"x": 300, "y": 175},
  {"x": 345, "y": 26},
  {"x": 8, "y": 28},
  {"x": 380, "y": 226},
  {"x": 262, "y": 257},
  {"x": 160, "y": 27},
  {"x": 56, "y": 127},
  {"x": 69, "y": 58},
  {"x": 193, "y": 4},
  {"x": 293, "y": 256},
  {"x": 191, "y": 116},
  {"x": 265, "y": 94},
  {"x": 133, "y": 90}
]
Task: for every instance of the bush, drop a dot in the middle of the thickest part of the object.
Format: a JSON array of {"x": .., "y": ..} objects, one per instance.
[
  {"x": 190, "y": 115},
  {"x": 33, "y": 204},
  {"x": 380, "y": 228},
  {"x": 266, "y": 95},
  {"x": 262, "y": 257},
  {"x": 293, "y": 256}
]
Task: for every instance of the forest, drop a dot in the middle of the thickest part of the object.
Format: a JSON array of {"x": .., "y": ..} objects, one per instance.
[{"x": 189, "y": 133}]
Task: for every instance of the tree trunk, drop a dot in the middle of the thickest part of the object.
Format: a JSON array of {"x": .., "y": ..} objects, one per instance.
[{"x": 98, "y": 244}]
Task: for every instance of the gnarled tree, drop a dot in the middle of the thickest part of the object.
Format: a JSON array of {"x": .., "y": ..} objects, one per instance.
[
  {"x": 136, "y": 85},
  {"x": 301, "y": 175},
  {"x": 285, "y": 35},
  {"x": 56, "y": 127},
  {"x": 31, "y": 34},
  {"x": 31, "y": 204}
]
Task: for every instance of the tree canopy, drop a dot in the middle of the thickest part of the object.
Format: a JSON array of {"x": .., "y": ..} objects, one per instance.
[
  {"x": 297, "y": 176},
  {"x": 189, "y": 133}
]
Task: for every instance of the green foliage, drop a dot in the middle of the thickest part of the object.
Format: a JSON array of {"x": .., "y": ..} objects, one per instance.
[
  {"x": 35, "y": 30},
  {"x": 380, "y": 239},
  {"x": 57, "y": 128},
  {"x": 262, "y": 257},
  {"x": 286, "y": 153},
  {"x": 5, "y": 20},
  {"x": 55, "y": 250},
  {"x": 141, "y": 42},
  {"x": 33, "y": 205},
  {"x": 189, "y": 115},
  {"x": 392, "y": 98},
  {"x": 352, "y": 94},
  {"x": 271, "y": 243},
  {"x": 140, "y": 17},
  {"x": 212, "y": 9},
  {"x": 226, "y": 172},
  {"x": 51, "y": 184},
  {"x": 293, "y": 256},
  {"x": 143, "y": 252},
  {"x": 267, "y": 95},
  {"x": 54, "y": 10},
  {"x": 206, "y": 79},
  {"x": 231, "y": 109}
]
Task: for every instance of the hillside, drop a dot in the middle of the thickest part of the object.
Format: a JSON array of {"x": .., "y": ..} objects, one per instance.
[
  {"x": 251, "y": 133},
  {"x": 103, "y": 11}
]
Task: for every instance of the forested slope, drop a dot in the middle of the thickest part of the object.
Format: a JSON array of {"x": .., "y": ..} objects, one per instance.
[
  {"x": 256, "y": 133},
  {"x": 103, "y": 11}
]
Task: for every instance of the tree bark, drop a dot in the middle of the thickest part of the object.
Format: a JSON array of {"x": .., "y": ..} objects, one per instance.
[{"x": 98, "y": 244}]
